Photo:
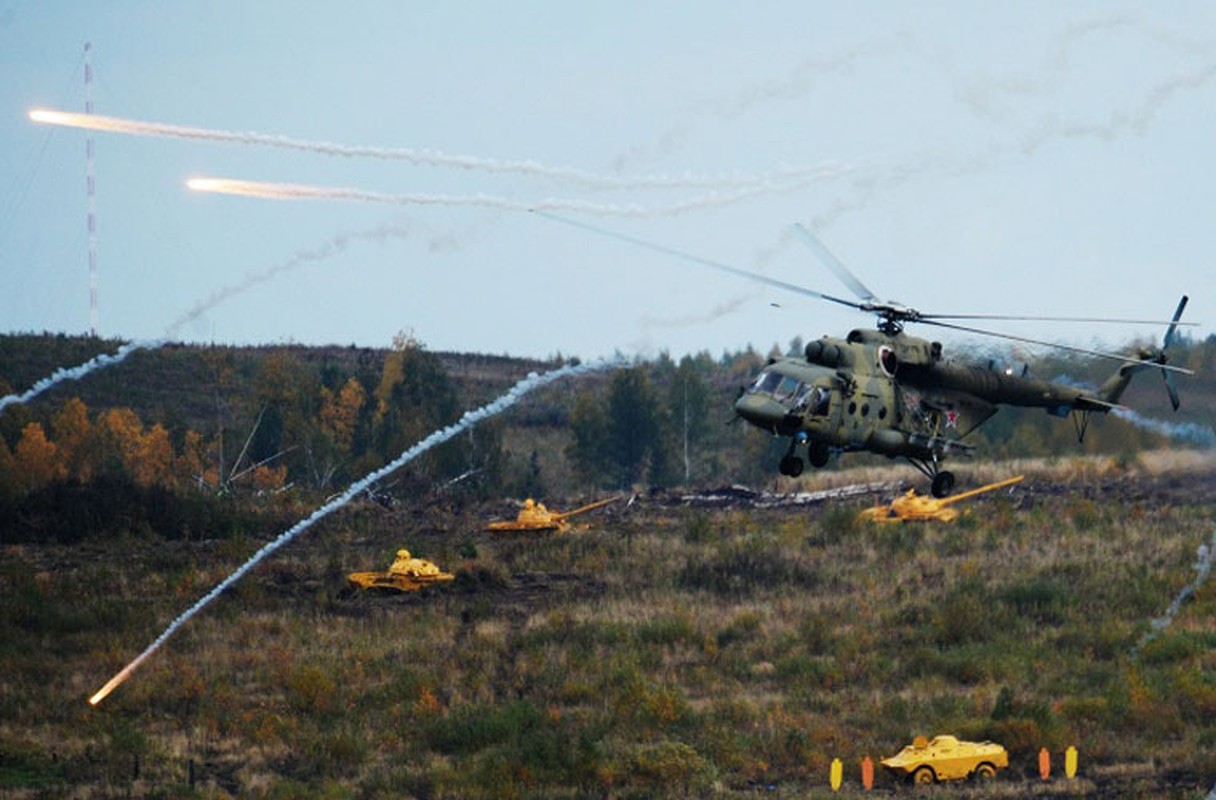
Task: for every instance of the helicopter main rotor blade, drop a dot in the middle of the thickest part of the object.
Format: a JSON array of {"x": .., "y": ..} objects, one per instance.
[
  {"x": 1058, "y": 346},
  {"x": 833, "y": 263},
  {"x": 705, "y": 262},
  {"x": 1019, "y": 318}
]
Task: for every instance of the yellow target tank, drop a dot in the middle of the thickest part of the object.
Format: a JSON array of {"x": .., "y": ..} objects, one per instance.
[
  {"x": 535, "y": 516},
  {"x": 406, "y": 574},
  {"x": 913, "y": 506}
]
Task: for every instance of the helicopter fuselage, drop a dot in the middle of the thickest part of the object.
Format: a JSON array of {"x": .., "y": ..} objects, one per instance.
[{"x": 897, "y": 395}]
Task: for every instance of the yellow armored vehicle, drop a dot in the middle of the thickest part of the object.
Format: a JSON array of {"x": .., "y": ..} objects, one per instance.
[
  {"x": 535, "y": 516},
  {"x": 945, "y": 758},
  {"x": 912, "y": 506},
  {"x": 407, "y": 574}
]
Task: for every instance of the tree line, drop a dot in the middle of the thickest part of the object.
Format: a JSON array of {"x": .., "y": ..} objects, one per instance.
[{"x": 283, "y": 425}]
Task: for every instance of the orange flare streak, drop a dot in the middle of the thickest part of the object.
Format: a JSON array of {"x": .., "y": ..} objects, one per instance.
[{"x": 118, "y": 679}]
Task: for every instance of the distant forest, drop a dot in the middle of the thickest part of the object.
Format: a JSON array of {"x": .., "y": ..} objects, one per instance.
[{"x": 183, "y": 439}]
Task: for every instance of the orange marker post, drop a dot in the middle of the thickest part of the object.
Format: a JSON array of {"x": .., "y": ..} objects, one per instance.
[
  {"x": 1044, "y": 764},
  {"x": 867, "y": 773}
]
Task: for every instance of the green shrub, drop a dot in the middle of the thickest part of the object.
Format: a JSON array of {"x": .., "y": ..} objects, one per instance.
[
  {"x": 1041, "y": 600},
  {"x": 1170, "y": 648},
  {"x": 669, "y": 766}
]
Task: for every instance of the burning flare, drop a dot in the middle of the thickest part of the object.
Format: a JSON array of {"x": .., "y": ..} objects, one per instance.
[{"x": 428, "y": 157}]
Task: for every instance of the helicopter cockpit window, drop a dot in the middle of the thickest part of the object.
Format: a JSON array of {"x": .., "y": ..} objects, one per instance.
[
  {"x": 766, "y": 382},
  {"x": 786, "y": 389}
]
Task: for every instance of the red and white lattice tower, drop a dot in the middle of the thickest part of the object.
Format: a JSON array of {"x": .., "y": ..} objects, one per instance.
[{"x": 88, "y": 149}]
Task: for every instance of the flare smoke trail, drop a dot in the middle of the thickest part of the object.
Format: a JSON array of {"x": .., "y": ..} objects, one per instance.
[
  {"x": 333, "y": 247},
  {"x": 1191, "y": 432},
  {"x": 528, "y": 384},
  {"x": 1203, "y": 568},
  {"x": 418, "y": 157},
  {"x": 77, "y": 372},
  {"x": 297, "y": 191}
]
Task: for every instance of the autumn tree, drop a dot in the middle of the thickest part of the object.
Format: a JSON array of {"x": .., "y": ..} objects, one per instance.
[
  {"x": 414, "y": 398},
  {"x": 340, "y": 412},
  {"x": 36, "y": 459},
  {"x": 73, "y": 435},
  {"x": 152, "y": 462},
  {"x": 339, "y": 418},
  {"x": 195, "y": 464},
  {"x": 119, "y": 442}
]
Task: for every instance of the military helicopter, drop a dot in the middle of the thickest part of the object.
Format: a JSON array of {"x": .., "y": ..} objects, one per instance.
[{"x": 884, "y": 391}]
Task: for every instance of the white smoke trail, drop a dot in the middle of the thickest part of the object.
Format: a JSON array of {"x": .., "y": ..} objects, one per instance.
[
  {"x": 78, "y": 372},
  {"x": 418, "y": 157},
  {"x": 335, "y": 246},
  {"x": 712, "y": 199},
  {"x": 528, "y": 384},
  {"x": 1203, "y": 568},
  {"x": 1191, "y": 432}
]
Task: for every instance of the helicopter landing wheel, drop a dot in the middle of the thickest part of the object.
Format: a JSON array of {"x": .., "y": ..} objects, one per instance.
[
  {"x": 818, "y": 455},
  {"x": 943, "y": 484},
  {"x": 791, "y": 465}
]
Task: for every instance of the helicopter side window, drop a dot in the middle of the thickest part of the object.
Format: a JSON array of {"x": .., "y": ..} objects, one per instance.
[{"x": 820, "y": 400}]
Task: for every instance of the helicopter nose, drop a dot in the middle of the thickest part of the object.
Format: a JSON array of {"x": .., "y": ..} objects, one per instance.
[{"x": 760, "y": 410}]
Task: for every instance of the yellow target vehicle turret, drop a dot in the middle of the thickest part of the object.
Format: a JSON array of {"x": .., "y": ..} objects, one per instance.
[
  {"x": 406, "y": 574},
  {"x": 913, "y": 506},
  {"x": 534, "y": 516}
]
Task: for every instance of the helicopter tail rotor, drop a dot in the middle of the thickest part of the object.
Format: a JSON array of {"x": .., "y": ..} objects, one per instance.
[{"x": 1170, "y": 334}]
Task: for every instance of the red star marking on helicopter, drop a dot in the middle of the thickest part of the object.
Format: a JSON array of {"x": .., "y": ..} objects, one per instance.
[{"x": 952, "y": 419}]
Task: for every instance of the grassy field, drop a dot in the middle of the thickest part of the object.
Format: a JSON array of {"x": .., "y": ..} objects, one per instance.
[{"x": 666, "y": 650}]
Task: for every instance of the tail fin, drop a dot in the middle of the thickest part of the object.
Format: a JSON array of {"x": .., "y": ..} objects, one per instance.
[{"x": 1113, "y": 389}]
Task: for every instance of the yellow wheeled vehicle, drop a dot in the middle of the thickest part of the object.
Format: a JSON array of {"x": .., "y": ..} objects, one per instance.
[
  {"x": 945, "y": 758},
  {"x": 535, "y": 516},
  {"x": 913, "y": 506},
  {"x": 407, "y": 574}
]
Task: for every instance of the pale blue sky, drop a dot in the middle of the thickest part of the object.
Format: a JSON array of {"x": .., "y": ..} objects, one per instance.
[{"x": 1037, "y": 157}]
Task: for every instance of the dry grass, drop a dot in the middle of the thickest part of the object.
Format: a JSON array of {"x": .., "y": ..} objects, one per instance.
[{"x": 665, "y": 651}]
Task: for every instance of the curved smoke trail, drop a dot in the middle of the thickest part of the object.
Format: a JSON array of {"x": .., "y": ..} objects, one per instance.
[
  {"x": 337, "y": 244},
  {"x": 528, "y": 384},
  {"x": 1203, "y": 568},
  {"x": 78, "y": 372}
]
